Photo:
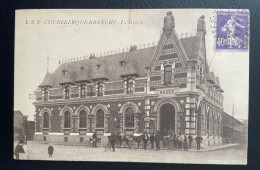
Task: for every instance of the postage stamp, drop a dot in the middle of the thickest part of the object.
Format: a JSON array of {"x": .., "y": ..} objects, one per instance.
[{"x": 232, "y": 30}]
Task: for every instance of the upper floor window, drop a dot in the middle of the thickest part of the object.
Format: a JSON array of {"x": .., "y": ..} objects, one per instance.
[
  {"x": 82, "y": 90},
  {"x": 82, "y": 119},
  {"x": 67, "y": 92},
  {"x": 122, "y": 63},
  {"x": 130, "y": 86},
  {"x": 45, "y": 120},
  {"x": 100, "y": 89},
  {"x": 45, "y": 94},
  {"x": 67, "y": 119},
  {"x": 201, "y": 75},
  {"x": 167, "y": 74},
  {"x": 100, "y": 118},
  {"x": 129, "y": 117}
]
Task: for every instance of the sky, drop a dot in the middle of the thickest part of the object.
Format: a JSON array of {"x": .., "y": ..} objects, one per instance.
[{"x": 38, "y": 36}]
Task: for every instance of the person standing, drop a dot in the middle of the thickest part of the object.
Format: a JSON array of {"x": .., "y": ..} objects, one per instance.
[
  {"x": 180, "y": 141},
  {"x": 152, "y": 140},
  {"x": 119, "y": 140},
  {"x": 190, "y": 140},
  {"x": 18, "y": 149},
  {"x": 198, "y": 141},
  {"x": 145, "y": 139},
  {"x": 185, "y": 143},
  {"x": 50, "y": 151},
  {"x": 174, "y": 140},
  {"x": 113, "y": 141},
  {"x": 94, "y": 140},
  {"x": 157, "y": 139}
]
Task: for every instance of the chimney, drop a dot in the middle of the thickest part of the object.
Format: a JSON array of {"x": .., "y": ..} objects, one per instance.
[{"x": 201, "y": 26}]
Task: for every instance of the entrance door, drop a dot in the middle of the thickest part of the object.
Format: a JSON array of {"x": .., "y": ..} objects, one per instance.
[{"x": 167, "y": 119}]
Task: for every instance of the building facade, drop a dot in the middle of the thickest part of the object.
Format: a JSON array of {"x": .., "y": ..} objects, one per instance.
[{"x": 167, "y": 87}]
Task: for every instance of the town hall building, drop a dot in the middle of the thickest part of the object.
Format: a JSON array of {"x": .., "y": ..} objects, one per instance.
[{"x": 167, "y": 87}]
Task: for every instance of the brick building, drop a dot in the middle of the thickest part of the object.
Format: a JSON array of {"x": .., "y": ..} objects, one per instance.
[{"x": 159, "y": 88}]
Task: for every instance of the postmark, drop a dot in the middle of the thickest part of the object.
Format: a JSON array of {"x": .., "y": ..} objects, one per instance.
[{"x": 232, "y": 32}]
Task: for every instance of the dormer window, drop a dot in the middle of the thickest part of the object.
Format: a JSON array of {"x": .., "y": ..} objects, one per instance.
[
  {"x": 82, "y": 90},
  {"x": 67, "y": 92},
  {"x": 100, "y": 89},
  {"x": 45, "y": 94},
  {"x": 98, "y": 66},
  {"x": 64, "y": 72},
  {"x": 81, "y": 68},
  {"x": 122, "y": 63},
  {"x": 130, "y": 86}
]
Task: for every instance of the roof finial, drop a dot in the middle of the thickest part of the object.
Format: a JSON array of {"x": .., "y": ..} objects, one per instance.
[{"x": 48, "y": 64}]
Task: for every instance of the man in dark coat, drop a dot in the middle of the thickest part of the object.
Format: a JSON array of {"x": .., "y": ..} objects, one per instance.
[
  {"x": 119, "y": 139},
  {"x": 185, "y": 143},
  {"x": 145, "y": 139},
  {"x": 94, "y": 140},
  {"x": 190, "y": 140},
  {"x": 112, "y": 140},
  {"x": 152, "y": 140},
  {"x": 50, "y": 150},
  {"x": 198, "y": 140},
  {"x": 157, "y": 139},
  {"x": 174, "y": 140},
  {"x": 18, "y": 149}
]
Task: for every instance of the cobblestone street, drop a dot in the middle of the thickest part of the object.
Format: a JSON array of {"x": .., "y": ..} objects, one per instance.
[{"x": 231, "y": 155}]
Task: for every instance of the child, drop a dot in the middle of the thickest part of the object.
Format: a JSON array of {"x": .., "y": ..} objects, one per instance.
[
  {"x": 50, "y": 151},
  {"x": 19, "y": 149}
]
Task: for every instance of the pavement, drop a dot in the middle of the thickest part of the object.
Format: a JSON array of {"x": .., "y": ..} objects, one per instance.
[
  {"x": 217, "y": 147},
  {"x": 224, "y": 154}
]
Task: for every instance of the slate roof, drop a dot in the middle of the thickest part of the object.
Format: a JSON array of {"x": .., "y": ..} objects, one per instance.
[
  {"x": 110, "y": 66},
  {"x": 47, "y": 81},
  {"x": 191, "y": 46}
]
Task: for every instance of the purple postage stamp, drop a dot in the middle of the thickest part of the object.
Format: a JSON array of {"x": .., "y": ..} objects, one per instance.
[{"x": 232, "y": 30}]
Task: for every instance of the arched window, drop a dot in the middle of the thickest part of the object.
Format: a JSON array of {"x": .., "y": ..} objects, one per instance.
[
  {"x": 100, "y": 89},
  {"x": 82, "y": 119},
  {"x": 129, "y": 117},
  {"x": 100, "y": 118},
  {"x": 130, "y": 86},
  {"x": 45, "y": 120},
  {"x": 67, "y": 119},
  {"x": 167, "y": 74}
]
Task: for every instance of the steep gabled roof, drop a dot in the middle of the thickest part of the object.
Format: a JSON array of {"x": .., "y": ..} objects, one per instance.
[
  {"x": 47, "y": 81},
  {"x": 110, "y": 67},
  {"x": 192, "y": 47}
]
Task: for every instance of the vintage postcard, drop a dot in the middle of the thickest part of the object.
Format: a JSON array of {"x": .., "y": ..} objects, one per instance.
[{"x": 136, "y": 85}]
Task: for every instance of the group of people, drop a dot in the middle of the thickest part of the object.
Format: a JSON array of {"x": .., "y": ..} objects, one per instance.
[{"x": 179, "y": 142}]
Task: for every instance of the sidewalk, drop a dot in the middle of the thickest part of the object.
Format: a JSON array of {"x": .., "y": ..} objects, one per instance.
[{"x": 213, "y": 148}]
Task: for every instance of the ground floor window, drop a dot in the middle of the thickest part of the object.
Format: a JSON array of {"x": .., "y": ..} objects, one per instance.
[
  {"x": 67, "y": 119},
  {"x": 100, "y": 118},
  {"x": 129, "y": 117}
]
